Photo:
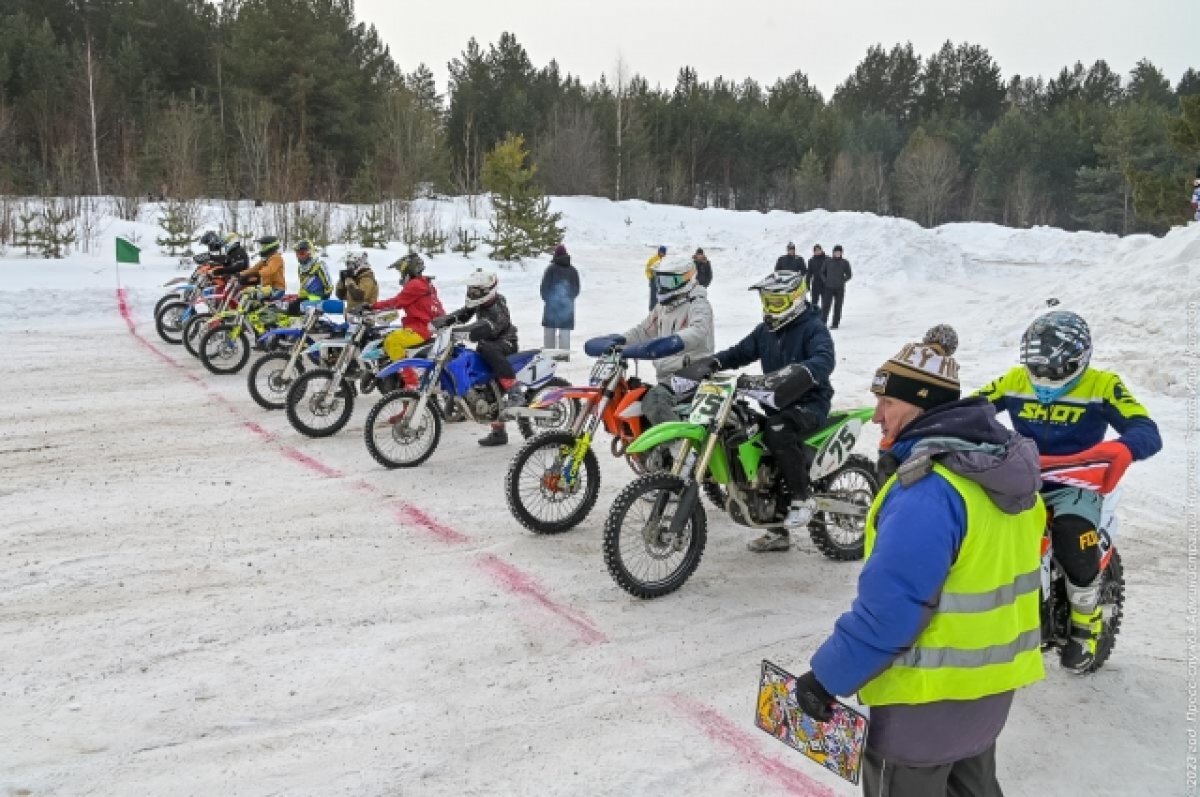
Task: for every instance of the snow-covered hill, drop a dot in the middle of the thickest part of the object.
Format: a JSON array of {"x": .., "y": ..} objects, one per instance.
[{"x": 199, "y": 600}]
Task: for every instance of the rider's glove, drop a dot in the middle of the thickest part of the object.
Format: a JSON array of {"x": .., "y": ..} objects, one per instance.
[
  {"x": 1116, "y": 454},
  {"x": 700, "y": 368},
  {"x": 478, "y": 331},
  {"x": 812, "y": 698},
  {"x": 346, "y": 275}
]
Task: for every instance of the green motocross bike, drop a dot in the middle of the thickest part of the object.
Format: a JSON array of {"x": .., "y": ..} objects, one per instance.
[{"x": 657, "y": 528}]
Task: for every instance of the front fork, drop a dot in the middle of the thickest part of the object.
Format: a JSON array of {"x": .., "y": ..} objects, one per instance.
[{"x": 430, "y": 386}]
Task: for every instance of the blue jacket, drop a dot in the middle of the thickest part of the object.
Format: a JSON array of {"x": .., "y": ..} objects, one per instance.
[
  {"x": 804, "y": 341},
  {"x": 560, "y": 287},
  {"x": 920, "y": 529}
]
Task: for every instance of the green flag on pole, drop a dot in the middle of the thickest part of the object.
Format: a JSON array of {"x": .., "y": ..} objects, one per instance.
[{"x": 127, "y": 252}]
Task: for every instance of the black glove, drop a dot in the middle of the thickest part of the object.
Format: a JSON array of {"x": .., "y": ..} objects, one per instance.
[
  {"x": 699, "y": 369},
  {"x": 812, "y": 697},
  {"x": 345, "y": 274},
  {"x": 440, "y": 321},
  {"x": 201, "y": 258}
]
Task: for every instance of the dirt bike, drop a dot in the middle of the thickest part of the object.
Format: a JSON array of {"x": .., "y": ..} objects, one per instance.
[
  {"x": 404, "y": 428},
  {"x": 1073, "y": 471},
  {"x": 213, "y": 301},
  {"x": 657, "y": 528},
  {"x": 171, "y": 311},
  {"x": 228, "y": 337},
  {"x": 272, "y": 375},
  {"x": 553, "y": 481},
  {"x": 320, "y": 402}
]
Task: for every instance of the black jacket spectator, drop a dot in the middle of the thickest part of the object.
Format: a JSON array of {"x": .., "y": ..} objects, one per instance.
[
  {"x": 837, "y": 273},
  {"x": 791, "y": 263},
  {"x": 560, "y": 287},
  {"x": 816, "y": 269},
  {"x": 703, "y": 270}
]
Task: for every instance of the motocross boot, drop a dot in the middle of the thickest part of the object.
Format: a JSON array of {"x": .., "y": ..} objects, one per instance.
[
  {"x": 1079, "y": 653},
  {"x": 799, "y": 514},
  {"x": 773, "y": 540},
  {"x": 497, "y": 437}
]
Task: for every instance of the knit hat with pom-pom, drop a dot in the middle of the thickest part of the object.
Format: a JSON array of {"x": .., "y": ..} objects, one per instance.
[{"x": 923, "y": 374}]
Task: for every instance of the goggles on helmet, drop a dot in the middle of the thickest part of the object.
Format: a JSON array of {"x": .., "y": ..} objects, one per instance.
[
  {"x": 775, "y": 303},
  {"x": 670, "y": 282}
]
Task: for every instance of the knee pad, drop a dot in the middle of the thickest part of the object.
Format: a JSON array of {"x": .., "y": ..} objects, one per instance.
[{"x": 1076, "y": 547}]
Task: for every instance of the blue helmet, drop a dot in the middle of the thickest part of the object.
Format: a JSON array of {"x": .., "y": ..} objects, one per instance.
[{"x": 1056, "y": 350}]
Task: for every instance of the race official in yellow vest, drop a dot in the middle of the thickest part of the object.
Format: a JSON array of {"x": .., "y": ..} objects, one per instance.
[{"x": 946, "y": 625}]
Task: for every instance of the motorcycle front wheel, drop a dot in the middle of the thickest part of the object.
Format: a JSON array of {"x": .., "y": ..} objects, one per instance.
[
  {"x": 168, "y": 320},
  {"x": 192, "y": 331},
  {"x": 538, "y": 485},
  {"x": 639, "y": 550},
  {"x": 268, "y": 382},
  {"x": 396, "y": 444},
  {"x": 222, "y": 352},
  {"x": 314, "y": 409}
]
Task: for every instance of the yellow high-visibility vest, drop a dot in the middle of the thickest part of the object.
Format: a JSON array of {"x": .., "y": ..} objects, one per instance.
[{"x": 985, "y": 634}]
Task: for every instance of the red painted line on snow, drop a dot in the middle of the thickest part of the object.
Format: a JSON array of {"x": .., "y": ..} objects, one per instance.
[
  {"x": 315, "y": 465},
  {"x": 521, "y": 583},
  {"x": 259, "y": 431},
  {"x": 718, "y": 728},
  {"x": 414, "y": 516}
]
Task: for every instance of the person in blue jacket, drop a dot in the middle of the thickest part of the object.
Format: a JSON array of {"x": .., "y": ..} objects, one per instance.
[
  {"x": 560, "y": 288},
  {"x": 796, "y": 352},
  {"x": 945, "y": 626}
]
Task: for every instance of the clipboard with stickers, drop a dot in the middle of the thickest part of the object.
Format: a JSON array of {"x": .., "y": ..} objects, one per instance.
[{"x": 837, "y": 744}]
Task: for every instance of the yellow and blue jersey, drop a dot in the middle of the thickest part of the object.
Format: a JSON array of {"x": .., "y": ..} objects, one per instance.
[{"x": 1078, "y": 419}]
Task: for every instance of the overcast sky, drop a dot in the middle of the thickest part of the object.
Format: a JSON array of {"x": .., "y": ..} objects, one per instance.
[{"x": 768, "y": 39}]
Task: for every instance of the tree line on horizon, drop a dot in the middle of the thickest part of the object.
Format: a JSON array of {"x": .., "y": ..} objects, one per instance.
[{"x": 288, "y": 100}]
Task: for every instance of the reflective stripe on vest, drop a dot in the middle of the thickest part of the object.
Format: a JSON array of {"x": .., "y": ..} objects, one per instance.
[{"x": 984, "y": 637}]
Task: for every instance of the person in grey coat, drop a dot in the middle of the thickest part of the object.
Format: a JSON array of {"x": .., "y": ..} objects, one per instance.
[{"x": 560, "y": 288}]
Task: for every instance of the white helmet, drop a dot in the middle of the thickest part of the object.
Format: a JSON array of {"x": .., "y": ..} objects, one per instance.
[
  {"x": 674, "y": 279},
  {"x": 481, "y": 288}
]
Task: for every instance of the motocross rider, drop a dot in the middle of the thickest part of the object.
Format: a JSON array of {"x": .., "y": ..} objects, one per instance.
[
  {"x": 681, "y": 309},
  {"x": 419, "y": 301},
  {"x": 1065, "y": 406},
  {"x": 495, "y": 339},
  {"x": 268, "y": 272},
  {"x": 796, "y": 352}
]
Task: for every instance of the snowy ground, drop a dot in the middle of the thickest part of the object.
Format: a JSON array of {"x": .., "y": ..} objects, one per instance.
[{"x": 198, "y": 600}]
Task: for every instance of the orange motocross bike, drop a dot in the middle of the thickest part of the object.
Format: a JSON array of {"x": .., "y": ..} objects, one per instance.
[{"x": 553, "y": 481}]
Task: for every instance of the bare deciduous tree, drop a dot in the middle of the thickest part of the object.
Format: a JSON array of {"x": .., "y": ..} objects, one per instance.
[
  {"x": 179, "y": 143},
  {"x": 927, "y": 174},
  {"x": 252, "y": 117},
  {"x": 570, "y": 156}
]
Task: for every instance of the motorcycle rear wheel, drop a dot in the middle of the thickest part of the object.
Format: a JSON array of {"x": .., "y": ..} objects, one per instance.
[{"x": 840, "y": 537}]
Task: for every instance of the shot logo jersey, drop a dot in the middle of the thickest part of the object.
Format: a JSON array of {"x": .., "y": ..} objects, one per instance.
[{"x": 1079, "y": 419}]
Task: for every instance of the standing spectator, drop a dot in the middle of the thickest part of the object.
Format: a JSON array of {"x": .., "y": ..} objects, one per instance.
[
  {"x": 654, "y": 260},
  {"x": 836, "y": 274},
  {"x": 1196, "y": 195},
  {"x": 703, "y": 268},
  {"x": 560, "y": 288},
  {"x": 816, "y": 274},
  {"x": 790, "y": 262},
  {"x": 945, "y": 625}
]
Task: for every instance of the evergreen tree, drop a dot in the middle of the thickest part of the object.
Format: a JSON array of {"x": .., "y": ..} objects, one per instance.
[
  {"x": 177, "y": 235},
  {"x": 522, "y": 225},
  {"x": 57, "y": 230},
  {"x": 372, "y": 230}
]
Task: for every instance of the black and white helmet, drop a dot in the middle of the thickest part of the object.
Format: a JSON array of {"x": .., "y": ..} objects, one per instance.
[
  {"x": 1056, "y": 350},
  {"x": 481, "y": 288},
  {"x": 782, "y": 296},
  {"x": 674, "y": 279}
]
